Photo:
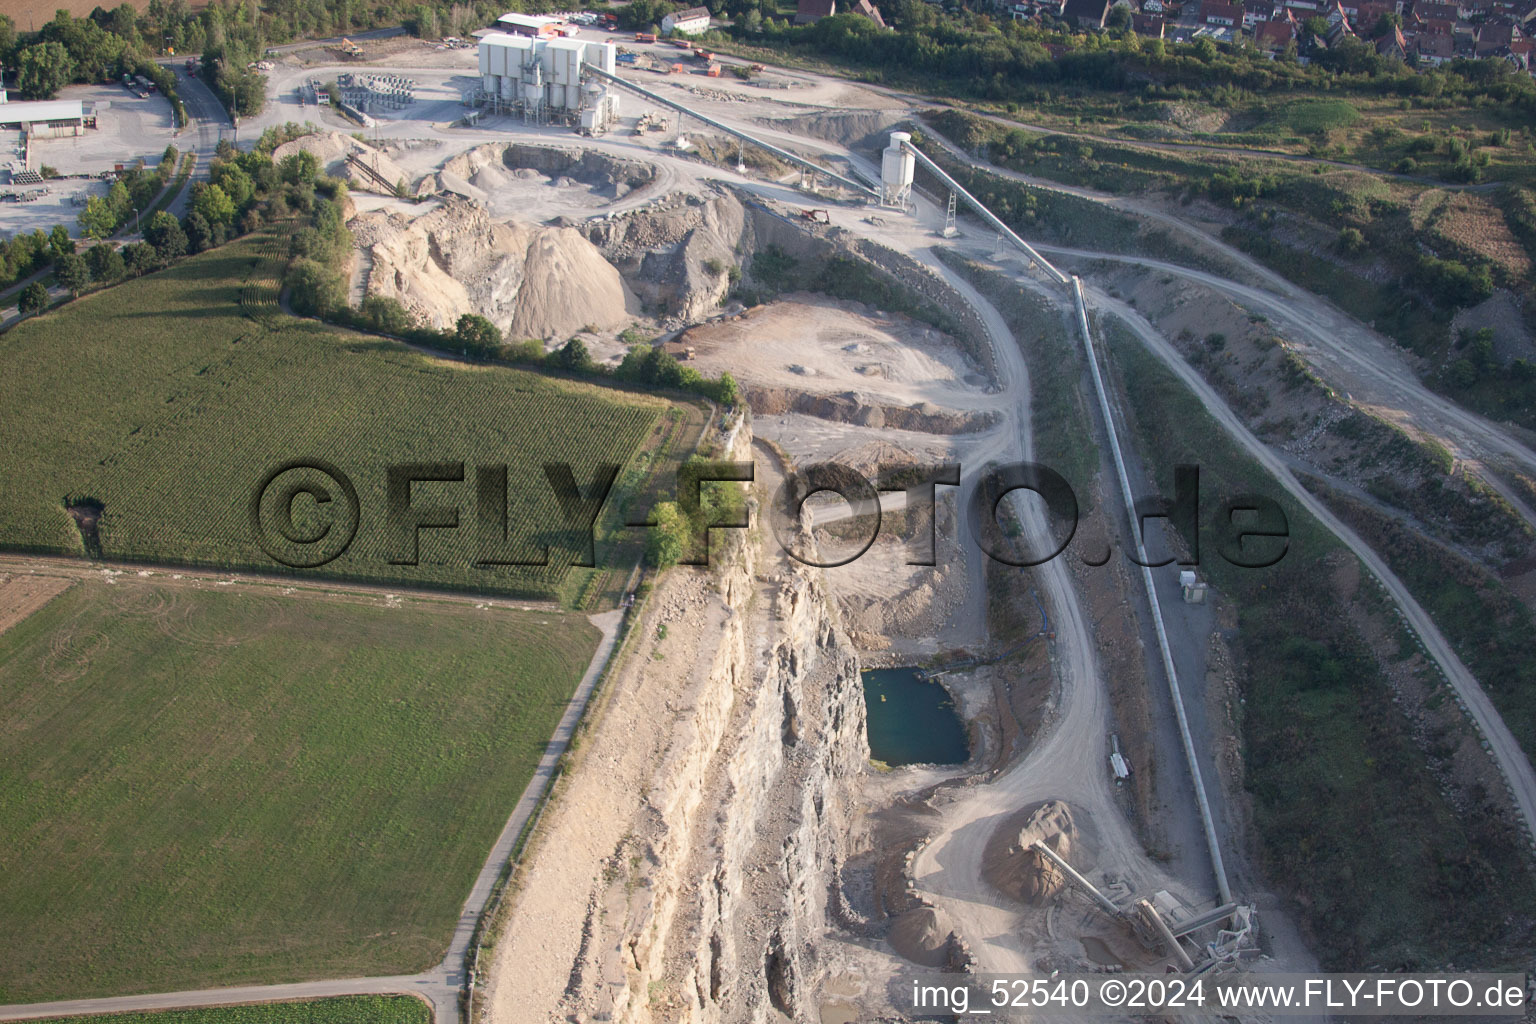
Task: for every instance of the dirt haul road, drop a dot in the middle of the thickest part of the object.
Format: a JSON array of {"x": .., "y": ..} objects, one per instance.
[
  {"x": 1068, "y": 764},
  {"x": 1352, "y": 358},
  {"x": 1506, "y": 752}
]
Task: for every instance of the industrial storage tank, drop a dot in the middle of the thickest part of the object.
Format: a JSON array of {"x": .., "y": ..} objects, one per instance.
[{"x": 897, "y": 165}]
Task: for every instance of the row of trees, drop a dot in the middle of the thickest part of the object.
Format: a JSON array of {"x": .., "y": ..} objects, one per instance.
[
  {"x": 478, "y": 338},
  {"x": 972, "y": 53},
  {"x": 245, "y": 190}
]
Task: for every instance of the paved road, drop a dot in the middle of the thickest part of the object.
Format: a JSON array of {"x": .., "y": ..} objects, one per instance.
[{"x": 207, "y": 121}]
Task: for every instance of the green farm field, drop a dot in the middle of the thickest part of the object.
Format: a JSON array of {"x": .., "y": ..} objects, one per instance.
[
  {"x": 209, "y": 785},
  {"x": 168, "y": 405},
  {"x": 341, "y": 1010}
]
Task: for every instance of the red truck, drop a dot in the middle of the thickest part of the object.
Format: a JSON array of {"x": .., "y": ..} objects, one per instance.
[{"x": 645, "y": 37}]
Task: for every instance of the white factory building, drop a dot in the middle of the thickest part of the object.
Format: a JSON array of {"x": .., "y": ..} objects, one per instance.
[
  {"x": 544, "y": 79},
  {"x": 691, "y": 22}
]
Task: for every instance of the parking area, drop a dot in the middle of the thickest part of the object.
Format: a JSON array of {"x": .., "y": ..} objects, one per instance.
[
  {"x": 56, "y": 202},
  {"x": 127, "y": 129}
]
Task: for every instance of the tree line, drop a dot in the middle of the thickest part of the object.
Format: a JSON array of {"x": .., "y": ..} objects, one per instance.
[
  {"x": 244, "y": 192},
  {"x": 976, "y": 55}
]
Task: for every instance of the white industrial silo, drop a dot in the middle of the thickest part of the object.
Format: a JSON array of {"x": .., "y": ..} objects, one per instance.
[
  {"x": 897, "y": 166},
  {"x": 565, "y": 72},
  {"x": 601, "y": 55}
]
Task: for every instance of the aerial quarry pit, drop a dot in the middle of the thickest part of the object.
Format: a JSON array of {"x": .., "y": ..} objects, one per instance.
[{"x": 719, "y": 842}]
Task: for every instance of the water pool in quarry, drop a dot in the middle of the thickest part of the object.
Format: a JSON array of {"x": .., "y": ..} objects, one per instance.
[{"x": 912, "y": 720}]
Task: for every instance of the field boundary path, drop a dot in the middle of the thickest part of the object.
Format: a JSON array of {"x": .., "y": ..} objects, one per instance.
[{"x": 440, "y": 987}]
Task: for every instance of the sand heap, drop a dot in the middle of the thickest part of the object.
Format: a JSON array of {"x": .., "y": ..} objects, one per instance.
[
  {"x": 531, "y": 281},
  {"x": 332, "y": 150},
  {"x": 1022, "y": 871},
  {"x": 924, "y": 936}
]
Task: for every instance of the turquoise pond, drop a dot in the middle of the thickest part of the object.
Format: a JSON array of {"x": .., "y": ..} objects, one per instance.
[{"x": 912, "y": 721}]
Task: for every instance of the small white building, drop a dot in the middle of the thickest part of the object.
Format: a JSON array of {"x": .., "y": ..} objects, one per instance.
[{"x": 690, "y": 22}]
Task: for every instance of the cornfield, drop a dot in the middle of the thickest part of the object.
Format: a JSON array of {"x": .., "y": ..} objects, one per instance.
[{"x": 168, "y": 400}]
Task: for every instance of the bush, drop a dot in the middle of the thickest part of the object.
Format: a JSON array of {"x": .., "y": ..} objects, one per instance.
[
  {"x": 574, "y": 357},
  {"x": 477, "y": 336},
  {"x": 386, "y": 315},
  {"x": 668, "y": 535},
  {"x": 313, "y": 288},
  {"x": 1452, "y": 284}
]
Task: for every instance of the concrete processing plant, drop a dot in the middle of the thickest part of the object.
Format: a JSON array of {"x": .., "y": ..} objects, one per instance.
[{"x": 545, "y": 80}]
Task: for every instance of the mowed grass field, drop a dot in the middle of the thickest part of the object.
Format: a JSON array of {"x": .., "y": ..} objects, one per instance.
[
  {"x": 342, "y": 1010},
  {"x": 206, "y": 785},
  {"x": 164, "y": 402}
]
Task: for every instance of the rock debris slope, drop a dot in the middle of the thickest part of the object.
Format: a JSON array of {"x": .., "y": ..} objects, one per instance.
[{"x": 531, "y": 281}]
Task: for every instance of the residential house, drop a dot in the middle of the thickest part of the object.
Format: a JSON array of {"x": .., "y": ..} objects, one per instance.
[
  {"x": 808, "y": 11},
  {"x": 1434, "y": 49},
  {"x": 1393, "y": 44},
  {"x": 1220, "y": 14},
  {"x": 1086, "y": 13},
  {"x": 1256, "y": 12},
  {"x": 1274, "y": 35},
  {"x": 1149, "y": 25},
  {"x": 869, "y": 11},
  {"x": 1432, "y": 10},
  {"x": 1494, "y": 39},
  {"x": 1369, "y": 12}
]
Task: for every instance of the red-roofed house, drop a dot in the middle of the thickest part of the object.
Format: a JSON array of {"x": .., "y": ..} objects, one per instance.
[
  {"x": 869, "y": 11},
  {"x": 807, "y": 11},
  {"x": 1273, "y": 35},
  {"x": 1393, "y": 44},
  {"x": 1434, "y": 49}
]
